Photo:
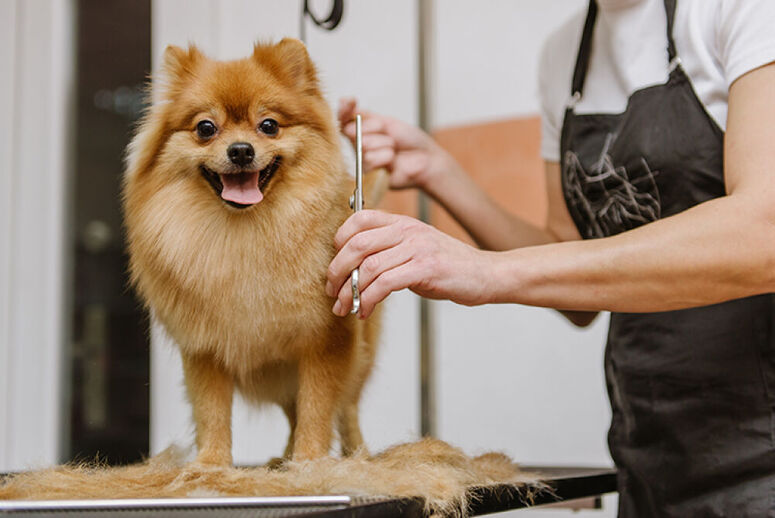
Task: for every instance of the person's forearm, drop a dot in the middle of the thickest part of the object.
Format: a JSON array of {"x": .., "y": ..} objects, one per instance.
[
  {"x": 720, "y": 250},
  {"x": 490, "y": 226}
]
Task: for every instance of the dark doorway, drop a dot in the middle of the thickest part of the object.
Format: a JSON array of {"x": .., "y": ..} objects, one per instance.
[{"x": 109, "y": 399}]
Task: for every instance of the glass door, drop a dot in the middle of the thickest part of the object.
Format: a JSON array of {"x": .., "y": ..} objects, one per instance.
[{"x": 109, "y": 399}]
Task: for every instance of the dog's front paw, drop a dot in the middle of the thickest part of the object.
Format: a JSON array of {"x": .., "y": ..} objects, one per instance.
[
  {"x": 277, "y": 463},
  {"x": 214, "y": 458}
]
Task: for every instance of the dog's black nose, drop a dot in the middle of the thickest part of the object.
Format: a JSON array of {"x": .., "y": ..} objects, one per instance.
[{"x": 241, "y": 153}]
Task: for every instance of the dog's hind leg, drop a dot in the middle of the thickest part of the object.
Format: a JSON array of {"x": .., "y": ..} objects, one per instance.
[
  {"x": 289, "y": 409},
  {"x": 321, "y": 388},
  {"x": 366, "y": 336},
  {"x": 349, "y": 429},
  {"x": 290, "y": 413},
  {"x": 210, "y": 390}
]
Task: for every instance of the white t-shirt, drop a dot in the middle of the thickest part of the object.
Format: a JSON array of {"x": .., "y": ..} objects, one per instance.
[{"x": 717, "y": 41}]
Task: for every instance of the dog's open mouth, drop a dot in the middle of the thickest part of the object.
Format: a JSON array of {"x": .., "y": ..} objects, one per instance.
[{"x": 244, "y": 189}]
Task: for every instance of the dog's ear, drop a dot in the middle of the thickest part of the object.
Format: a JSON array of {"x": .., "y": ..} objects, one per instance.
[
  {"x": 291, "y": 61},
  {"x": 180, "y": 63}
]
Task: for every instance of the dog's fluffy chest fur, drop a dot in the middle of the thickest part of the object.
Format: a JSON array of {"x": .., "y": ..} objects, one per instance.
[{"x": 247, "y": 288}]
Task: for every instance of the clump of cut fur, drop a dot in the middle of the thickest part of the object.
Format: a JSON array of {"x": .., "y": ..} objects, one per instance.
[
  {"x": 241, "y": 289},
  {"x": 429, "y": 469}
]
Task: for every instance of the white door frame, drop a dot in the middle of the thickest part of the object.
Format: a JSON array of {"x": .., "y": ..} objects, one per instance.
[{"x": 36, "y": 106}]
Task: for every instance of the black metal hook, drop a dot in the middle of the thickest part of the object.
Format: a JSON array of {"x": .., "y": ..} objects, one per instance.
[{"x": 334, "y": 17}]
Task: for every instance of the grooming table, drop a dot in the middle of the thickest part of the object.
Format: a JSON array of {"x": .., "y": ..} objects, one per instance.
[{"x": 562, "y": 485}]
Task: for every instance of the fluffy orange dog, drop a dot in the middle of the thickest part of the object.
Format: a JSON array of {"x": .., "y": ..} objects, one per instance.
[{"x": 234, "y": 189}]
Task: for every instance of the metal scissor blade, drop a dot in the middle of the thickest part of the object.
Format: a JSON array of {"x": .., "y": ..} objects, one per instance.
[{"x": 357, "y": 204}]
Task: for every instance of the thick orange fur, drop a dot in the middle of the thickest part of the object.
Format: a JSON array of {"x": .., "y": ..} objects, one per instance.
[
  {"x": 242, "y": 290},
  {"x": 430, "y": 469}
]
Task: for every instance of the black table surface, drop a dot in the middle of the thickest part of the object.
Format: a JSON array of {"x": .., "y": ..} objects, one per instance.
[{"x": 557, "y": 485}]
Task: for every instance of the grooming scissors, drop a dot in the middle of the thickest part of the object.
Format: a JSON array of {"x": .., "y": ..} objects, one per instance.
[{"x": 356, "y": 204}]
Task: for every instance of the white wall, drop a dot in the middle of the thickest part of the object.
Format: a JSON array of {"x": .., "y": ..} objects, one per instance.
[
  {"x": 371, "y": 55},
  {"x": 7, "y": 94},
  {"x": 36, "y": 94},
  {"x": 486, "y": 56}
]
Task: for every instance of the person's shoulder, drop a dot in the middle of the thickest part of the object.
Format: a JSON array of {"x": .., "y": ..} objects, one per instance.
[
  {"x": 744, "y": 8},
  {"x": 559, "y": 50},
  {"x": 558, "y": 58},
  {"x": 555, "y": 72},
  {"x": 743, "y": 35}
]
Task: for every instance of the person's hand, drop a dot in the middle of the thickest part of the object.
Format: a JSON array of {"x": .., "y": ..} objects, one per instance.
[
  {"x": 410, "y": 155},
  {"x": 396, "y": 252}
]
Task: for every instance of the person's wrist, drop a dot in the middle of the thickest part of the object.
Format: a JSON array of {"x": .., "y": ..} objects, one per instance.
[
  {"x": 506, "y": 278},
  {"x": 441, "y": 166}
]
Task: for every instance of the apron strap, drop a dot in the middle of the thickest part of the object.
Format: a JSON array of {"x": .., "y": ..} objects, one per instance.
[
  {"x": 585, "y": 48},
  {"x": 670, "y": 11}
]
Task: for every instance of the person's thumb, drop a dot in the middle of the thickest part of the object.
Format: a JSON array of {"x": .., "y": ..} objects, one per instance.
[{"x": 347, "y": 110}]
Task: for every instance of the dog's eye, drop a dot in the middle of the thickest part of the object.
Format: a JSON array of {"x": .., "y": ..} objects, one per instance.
[
  {"x": 206, "y": 129},
  {"x": 269, "y": 127}
]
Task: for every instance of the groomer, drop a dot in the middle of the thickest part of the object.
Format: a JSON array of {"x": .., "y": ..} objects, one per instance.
[{"x": 660, "y": 161}]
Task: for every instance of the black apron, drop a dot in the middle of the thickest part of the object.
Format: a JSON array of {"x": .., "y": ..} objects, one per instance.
[{"x": 692, "y": 392}]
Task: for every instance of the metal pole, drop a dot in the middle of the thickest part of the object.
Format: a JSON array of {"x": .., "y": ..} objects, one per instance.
[
  {"x": 427, "y": 345},
  {"x": 303, "y": 22}
]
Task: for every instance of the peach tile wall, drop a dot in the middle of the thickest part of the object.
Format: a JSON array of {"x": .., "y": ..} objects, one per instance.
[{"x": 503, "y": 158}]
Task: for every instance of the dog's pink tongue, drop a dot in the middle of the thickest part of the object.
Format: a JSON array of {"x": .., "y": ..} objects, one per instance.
[{"x": 241, "y": 188}]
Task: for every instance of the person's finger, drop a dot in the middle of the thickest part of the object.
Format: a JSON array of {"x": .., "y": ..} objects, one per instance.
[
  {"x": 369, "y": 124},
  {"x": 373, "y": 123},
  {"x": 344, "y": 302},
  {"x": 377, "y": 140},
  {"x": 375, "y": 264},
  {"x": 362, "y": 220},
  {"x": 379, "y": 158},
  {"x": 386, "y": 277},
  {"x": 395, "y": 279},
  {"x": 355, "y": 249},
  {"x": 411, "y": 164},
  {"x": 347, "y": 108}
]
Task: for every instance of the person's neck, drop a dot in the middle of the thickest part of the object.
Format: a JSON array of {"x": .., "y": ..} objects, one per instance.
[{"x": 616, "y": 5}]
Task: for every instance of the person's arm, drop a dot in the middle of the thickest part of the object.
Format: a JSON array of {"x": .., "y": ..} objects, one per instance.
[
  {"x": 414, "y": 159},
  {"x": 490, "y": 226},
  {"x": 719, "y": 250}
]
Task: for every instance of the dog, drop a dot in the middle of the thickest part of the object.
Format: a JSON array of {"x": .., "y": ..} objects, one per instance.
[{"x": 234, "y": 188}]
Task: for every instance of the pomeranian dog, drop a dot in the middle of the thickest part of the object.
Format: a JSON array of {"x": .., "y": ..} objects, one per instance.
[{"x": 235, "y": 186}]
